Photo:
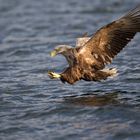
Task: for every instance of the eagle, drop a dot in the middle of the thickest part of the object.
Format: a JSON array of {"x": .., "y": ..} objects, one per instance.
[{"x": 88, "y": 59}]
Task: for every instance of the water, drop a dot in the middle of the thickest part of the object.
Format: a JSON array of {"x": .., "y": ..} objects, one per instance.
[{"x": 33, "y": 107}]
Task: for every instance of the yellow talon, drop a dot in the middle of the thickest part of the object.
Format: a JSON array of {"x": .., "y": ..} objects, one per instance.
[{"x": 53, "y": 75}]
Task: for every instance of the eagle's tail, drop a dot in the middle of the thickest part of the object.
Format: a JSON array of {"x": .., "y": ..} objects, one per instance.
[
  {"x": 105, "y": 73},
  {"x": 111, "y": 72},
  {"x": 100, "y": 74}
]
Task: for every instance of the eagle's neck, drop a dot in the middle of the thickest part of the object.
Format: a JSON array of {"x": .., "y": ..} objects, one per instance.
[{"x": 70, "y": 56}]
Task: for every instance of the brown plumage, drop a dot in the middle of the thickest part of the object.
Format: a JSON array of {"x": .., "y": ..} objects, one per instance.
[{"x": 90, "y": 56}]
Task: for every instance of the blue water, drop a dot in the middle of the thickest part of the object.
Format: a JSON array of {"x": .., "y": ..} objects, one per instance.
[{"x": 34, "y": 107}]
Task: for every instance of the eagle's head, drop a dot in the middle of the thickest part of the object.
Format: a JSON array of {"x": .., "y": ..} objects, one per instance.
[{"x": 60, "y": 49}]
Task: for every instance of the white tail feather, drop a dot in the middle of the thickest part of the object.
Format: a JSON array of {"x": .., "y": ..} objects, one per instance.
[{"x": 112, "y": 72}]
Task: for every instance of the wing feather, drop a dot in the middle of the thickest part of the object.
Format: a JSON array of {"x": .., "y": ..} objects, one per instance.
[{"x": 111, "y": 39}]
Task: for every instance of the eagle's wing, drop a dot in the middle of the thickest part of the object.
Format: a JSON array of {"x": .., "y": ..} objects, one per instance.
[
  {"x": 81, "y": 41},
  {"x": 111, "y": 39}
]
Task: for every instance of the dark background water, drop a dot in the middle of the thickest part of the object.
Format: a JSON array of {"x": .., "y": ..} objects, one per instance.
[{"x": 33, "y": 107}]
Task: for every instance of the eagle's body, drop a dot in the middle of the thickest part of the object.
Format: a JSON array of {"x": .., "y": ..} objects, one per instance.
[{"x": 88, "y": 59}]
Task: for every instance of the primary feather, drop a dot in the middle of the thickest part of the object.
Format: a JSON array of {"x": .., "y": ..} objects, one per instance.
[{"x": 111, "y": 39}]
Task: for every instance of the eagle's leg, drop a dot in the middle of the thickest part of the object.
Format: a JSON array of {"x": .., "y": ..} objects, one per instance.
[{"x": 54, "y": 75}]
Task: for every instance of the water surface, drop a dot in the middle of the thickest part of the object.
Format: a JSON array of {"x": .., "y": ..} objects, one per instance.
[{"x": 33, "y": 107}]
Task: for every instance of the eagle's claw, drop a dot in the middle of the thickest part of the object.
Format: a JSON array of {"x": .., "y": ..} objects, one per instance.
[{"x": 53, "y": 75}]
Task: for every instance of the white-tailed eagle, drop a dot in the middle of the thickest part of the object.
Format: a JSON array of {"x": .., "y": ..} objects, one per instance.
[{"x": 88, "y": 59}]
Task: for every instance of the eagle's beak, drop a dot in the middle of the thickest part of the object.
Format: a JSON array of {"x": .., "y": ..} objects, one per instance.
[{"x": 53, "y": 53}]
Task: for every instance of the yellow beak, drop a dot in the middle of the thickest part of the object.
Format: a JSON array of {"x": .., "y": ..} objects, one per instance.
[{"x": 53, "y": 53}]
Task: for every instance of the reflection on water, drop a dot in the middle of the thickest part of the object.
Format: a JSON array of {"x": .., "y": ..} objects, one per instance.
[
  {"x": 101, "y": 98},
  {"x": 93, "y": 100}
]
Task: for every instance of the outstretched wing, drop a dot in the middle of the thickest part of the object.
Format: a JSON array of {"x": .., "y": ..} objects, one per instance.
[
  {"x": 111, "y": 39},
  {"x": 81, "y": 41}
]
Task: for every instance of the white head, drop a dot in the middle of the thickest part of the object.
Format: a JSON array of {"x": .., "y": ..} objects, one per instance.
[{"x": 60, "y": 49}]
